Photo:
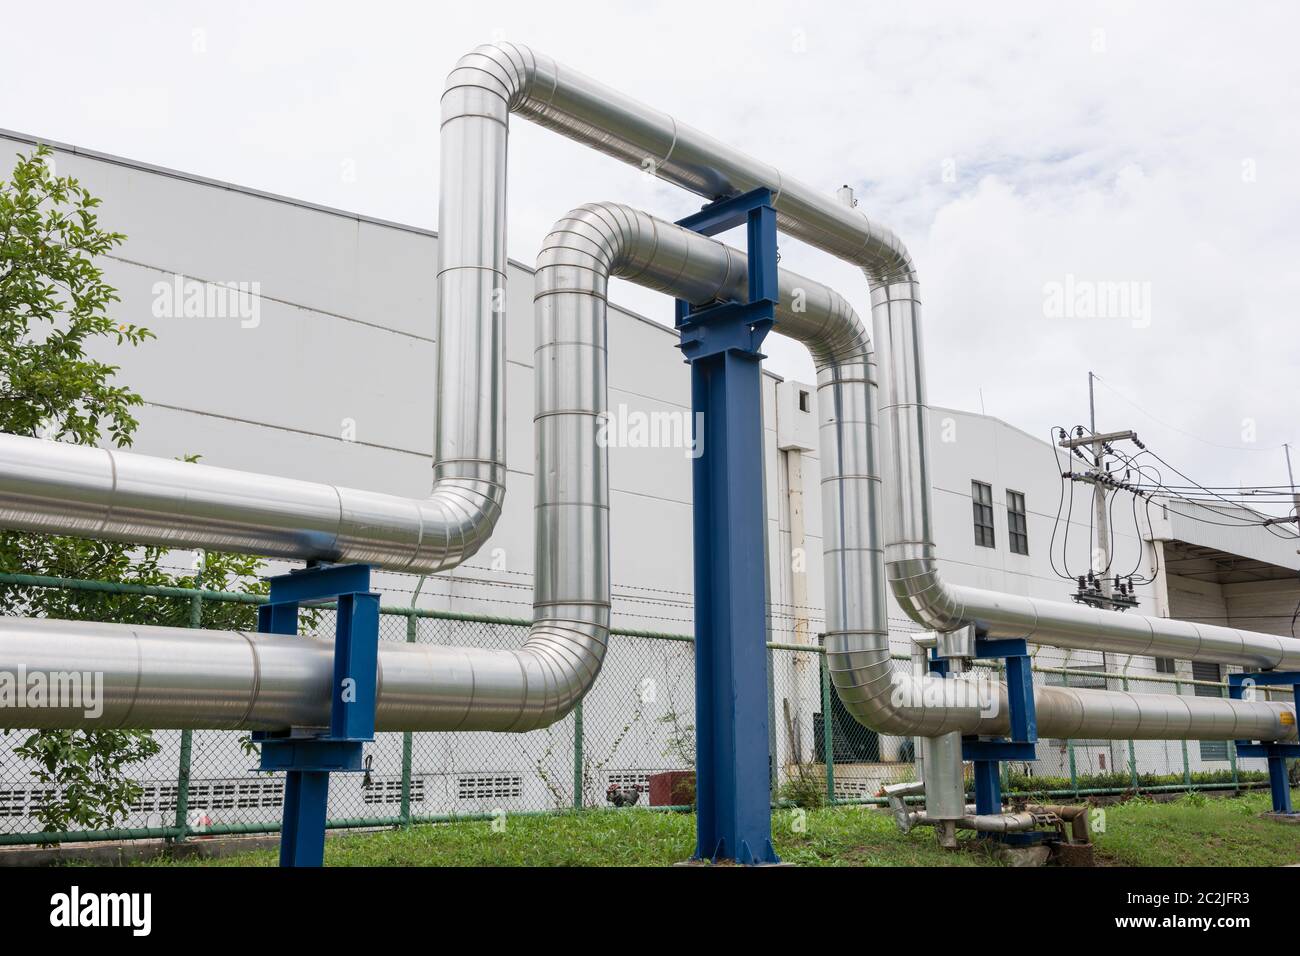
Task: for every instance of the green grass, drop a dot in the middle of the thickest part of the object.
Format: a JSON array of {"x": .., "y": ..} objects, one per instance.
[
  {"x": 1196, "y": 830},
  {"x": 1193, "y": 830}
]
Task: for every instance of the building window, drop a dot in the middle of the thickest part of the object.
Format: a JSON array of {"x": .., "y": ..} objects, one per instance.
[
  {"x": 1166, "y": 665},
  {"x": 1017, "y": 529},
  {"x": 805, "y": 401},
  {"x": 981, "y": 496}
]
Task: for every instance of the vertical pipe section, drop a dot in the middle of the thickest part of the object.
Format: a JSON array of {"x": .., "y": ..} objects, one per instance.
[
  {"x": 469, "y": 437},
  {"x": 427, "y": 687}
]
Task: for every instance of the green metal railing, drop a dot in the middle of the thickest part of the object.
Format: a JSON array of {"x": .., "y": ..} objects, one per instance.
[{"x": 587, "y": 725}]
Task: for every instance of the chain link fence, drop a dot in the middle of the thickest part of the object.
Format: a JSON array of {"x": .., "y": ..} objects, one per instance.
[{"x": 636, "y": 722}]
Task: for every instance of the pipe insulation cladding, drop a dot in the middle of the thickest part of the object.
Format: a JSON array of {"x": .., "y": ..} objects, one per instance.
[
  {"x": 96, "y": 493},
  {"x": 183, "y": 678}
]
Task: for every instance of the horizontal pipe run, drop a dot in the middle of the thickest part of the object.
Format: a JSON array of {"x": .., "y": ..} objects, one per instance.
[
  {"x": 494, "y": 81},
  {"x": 93, "y": 492},
  {"x": 51, "y": 487},
  {"x": 497, "y": 80},
  {"x": 405, "y": 610},
  {"x": 1082, "y": 792},
  {"x": 184, "y": 678},
  {"x": 983, "y": 823}
]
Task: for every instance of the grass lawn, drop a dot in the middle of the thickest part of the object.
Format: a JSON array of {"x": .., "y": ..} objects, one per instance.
[
  {"x": 1192, "y": 831},
  {"x": 1198, "y": 831}
]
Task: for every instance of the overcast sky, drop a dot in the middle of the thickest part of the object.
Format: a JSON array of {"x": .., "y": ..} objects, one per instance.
[{"x": 1011, "y": 146}]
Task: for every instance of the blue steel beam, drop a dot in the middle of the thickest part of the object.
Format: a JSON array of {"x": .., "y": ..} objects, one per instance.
[
  {"x": 307, "y": 761},
  {"x": 1022, "y": 717},
  {"x": 1276, "y": 754},
  {"x": 721, "y": 343}
]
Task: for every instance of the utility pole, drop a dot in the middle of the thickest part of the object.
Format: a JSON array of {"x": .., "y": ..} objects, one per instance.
[
  {"x": 1101, "y": 551},
  {"x": 1101, "y": 589}
]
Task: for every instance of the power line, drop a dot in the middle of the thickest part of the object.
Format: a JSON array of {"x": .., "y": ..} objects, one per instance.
[
  {"x": 1236, "y": 519},
  {"x": 1205, "y": 441}
]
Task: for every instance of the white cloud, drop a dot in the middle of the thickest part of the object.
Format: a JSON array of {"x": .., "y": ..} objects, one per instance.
[{"x": 1104, "y": 141}]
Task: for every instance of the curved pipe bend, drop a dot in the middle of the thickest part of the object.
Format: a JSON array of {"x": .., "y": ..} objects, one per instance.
[
  {"x": 55, "y": 488},
  {"x": 495, "y": 80},
  {"x": 177, "y": 677},
  {"x": 484, "y": 88}
]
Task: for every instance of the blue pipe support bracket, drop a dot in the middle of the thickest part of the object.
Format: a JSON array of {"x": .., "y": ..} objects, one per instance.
[
  {"x": 307, "y": 759},
  {"x": 1275, "y": 753},
  {"x": 721, "y": 343},
  {"x": 1023, "y": 718}
]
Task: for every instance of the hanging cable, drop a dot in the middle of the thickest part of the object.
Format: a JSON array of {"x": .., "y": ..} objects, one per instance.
[{"x": 1060, "y": 502}]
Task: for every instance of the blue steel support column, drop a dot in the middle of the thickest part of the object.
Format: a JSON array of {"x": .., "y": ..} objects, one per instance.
[
  {"x": 1278, "y": 785},
  {"x": 988, "y": 787},
  {"x": 1023, "y": 718},
  {"x": 1276, "y": 754},
  {"x": 308, "y": 759},
  {"x": 721, "y": 343},
  {"x": 302, "y": 830}
]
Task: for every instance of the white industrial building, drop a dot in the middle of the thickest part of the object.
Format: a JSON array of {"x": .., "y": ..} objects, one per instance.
[{"x": 322, "y": 369}]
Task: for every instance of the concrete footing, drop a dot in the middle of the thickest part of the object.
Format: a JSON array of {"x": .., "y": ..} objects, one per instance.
[{"x": 1025, "y": 855}]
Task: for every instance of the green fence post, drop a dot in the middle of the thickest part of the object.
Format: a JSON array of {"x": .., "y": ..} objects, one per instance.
[
  {"x": 828, "y": 743},
  {"x": 1132, "y": 751},
  {"x": 187, "y": 736},
  {"x": 412, "y": 631},
  {"x": 1187, "y": 764},
  {"x": 1069, "y": 745},
  {"x": 183, "y": 785},
  {"x": 577, "y": 756}
]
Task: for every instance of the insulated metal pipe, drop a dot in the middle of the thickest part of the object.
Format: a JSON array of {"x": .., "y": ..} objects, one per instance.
[
  {"x": 96, "y": 493},
  {"x": 939, "y": 760},
  {"x": 498, "y": 79},
  {"x": 598, "y": 240},
  {"x": 65, "y": 491},
  {"x": 508, "y": 78},
  {"x": 56, "y": 488},
  {"x": 984, "y": 823},
  {"x": 911, "y": 556},
  {"x": 183, "y": 678},
  {"x": 114, "y": 495},
  {"x": 173, "y": 677}
]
